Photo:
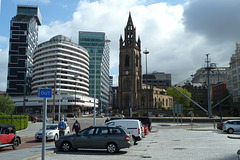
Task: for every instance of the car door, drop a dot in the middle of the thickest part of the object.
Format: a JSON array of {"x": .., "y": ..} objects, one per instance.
[
  {"x": 11, "y": 135},
  {"x": 85, "y": 138},
  {"x": 3, "y": 136},
  {"x": 237, "y": 127},
  {"x": 100, "y": 138}
]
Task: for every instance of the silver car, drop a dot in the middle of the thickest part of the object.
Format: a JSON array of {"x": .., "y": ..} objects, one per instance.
[
  {"x": 52, "y": 132},
  {"x": 231, "y": 126},
  {"x": 99, "y": 137}
]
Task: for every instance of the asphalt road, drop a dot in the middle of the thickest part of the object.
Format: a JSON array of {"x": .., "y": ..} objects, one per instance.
[{"x": 167, "y": 141}]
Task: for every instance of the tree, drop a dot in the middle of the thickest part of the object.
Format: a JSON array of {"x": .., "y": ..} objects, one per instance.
[
  {"x": 6, "y": 105},
  {"x": 178, "y": 98}
]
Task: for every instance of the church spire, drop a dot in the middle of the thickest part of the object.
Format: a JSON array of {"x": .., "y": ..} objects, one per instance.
[
  {"x": 130, "y": 32},
  {"x": 129, "y": 23}
]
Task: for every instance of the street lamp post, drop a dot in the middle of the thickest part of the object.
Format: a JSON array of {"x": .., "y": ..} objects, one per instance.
[
  {"x": 94, "y": 110},
  {"x": 60, "y": 97},
  {"x": 146, "y": 52}
]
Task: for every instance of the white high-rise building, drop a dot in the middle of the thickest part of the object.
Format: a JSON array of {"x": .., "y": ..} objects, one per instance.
[{"x": 63, "y": 66}]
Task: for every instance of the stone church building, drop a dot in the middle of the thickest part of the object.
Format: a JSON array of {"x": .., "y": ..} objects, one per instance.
[{"x": 132, "y": 95}]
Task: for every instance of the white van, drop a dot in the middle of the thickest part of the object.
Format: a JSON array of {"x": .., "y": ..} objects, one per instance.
[{"x": 132, "y": 126}]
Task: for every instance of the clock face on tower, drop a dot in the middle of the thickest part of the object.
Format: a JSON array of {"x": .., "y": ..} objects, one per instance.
[{"x": 126, "y": 72}]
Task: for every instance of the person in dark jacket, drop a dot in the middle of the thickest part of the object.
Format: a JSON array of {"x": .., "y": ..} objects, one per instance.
[
  {"x": 76, "y": 127},
  {"x": 107, "y": 120}
]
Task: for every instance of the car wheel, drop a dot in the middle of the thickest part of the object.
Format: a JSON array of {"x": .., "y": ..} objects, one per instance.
[
  {"x": 55, "y": 137},
  {"x": 112, "y": 148},
  {"x": 230, "y": 131},
  {"x": 66, "y": 147},
  {"x": 15, "y": 144}
]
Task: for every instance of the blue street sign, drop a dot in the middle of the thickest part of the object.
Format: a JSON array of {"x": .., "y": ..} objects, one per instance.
[{"x": 45, "y": 93}]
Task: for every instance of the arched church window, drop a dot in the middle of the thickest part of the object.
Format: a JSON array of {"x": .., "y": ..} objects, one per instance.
[
  {"x": 127, "y": 61},
  {"x": 155, "y": 102}
]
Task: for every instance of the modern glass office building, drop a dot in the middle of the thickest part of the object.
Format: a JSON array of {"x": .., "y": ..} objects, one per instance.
[
  {"x": 95, "y": 44},
  {"x": 23, "y": 41}
]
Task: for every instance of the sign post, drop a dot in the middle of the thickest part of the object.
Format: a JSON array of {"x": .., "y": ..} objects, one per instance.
[
  {"x": 177, "y": 108},
  {"x": 44, "y": 93}
]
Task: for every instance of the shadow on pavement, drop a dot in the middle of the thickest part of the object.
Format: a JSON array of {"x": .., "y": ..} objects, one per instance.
[{"x": 91, "y": 152}]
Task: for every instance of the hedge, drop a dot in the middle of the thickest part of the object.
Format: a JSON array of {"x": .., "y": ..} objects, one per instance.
[{"x": 19, "y": 121}]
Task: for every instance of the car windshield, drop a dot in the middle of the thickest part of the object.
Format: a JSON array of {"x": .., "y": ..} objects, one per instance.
[{"x": 51, "y": 127}]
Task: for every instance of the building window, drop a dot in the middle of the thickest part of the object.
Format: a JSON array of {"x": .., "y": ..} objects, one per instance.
[
  {"x": 127, "y": 61},
  {"x": 136, "y": 60},
  {"x": 155, "y": 102},
  {"x": 142, "y": 101},
  {"x": 127, "y": 84},
  {"x": 127, "y": 101}
]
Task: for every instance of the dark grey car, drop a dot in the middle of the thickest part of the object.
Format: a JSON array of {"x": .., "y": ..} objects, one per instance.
[{"x": 99, "y": 137}]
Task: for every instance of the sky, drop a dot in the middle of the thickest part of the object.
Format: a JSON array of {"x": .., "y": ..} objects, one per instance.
[{"x": 177, "y": 33}]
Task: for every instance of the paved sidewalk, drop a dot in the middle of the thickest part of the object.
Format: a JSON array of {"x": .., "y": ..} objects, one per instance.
[
  {"x": 35, "y": 152},
  {"x": 28, "y": 153}
]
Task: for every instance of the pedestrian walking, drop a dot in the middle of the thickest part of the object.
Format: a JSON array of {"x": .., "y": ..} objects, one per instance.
[
  {"x": 107, "y": 120},
  {"x": 76, "y": 127},
  {"x": 62, "y": 127}
]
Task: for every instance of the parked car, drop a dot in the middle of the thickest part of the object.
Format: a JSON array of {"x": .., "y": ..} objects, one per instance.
[
  {"x": 70, "y": 115},
  {"x": 52, "y": 132},
  {"x": 119, "y": 115},
  {"x": 162, "y": 115},
  {"x": 231, "y": 126},
  {"x": 219, "y": 125},
  {"x": 145, "y": 121},
  {"x": 98, "y": 137},
  {"x": 132, "y": 126},
  {"x": 8, "y": 136},
  {"x": 99, "y": 115}
]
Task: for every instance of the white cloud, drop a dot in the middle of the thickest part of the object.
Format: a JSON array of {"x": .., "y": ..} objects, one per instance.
[{"x": 177, "y": 36}]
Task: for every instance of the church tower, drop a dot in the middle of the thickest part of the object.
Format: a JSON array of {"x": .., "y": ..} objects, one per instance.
[{"x": 130, "y": 69}]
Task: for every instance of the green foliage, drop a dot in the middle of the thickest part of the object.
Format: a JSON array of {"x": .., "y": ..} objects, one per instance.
[
  {"x": 19, "y": 121},
  {"x": 178, "y": 98},
  {"x": 136, "y": 114},
  {"x": 159, "y": 106},
  {"x": 6, "y": 105}
]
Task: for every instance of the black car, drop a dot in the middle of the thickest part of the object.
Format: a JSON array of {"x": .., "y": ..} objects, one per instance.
[
  {"x": 70, "y": 115},
  {"x": 112, "y": 138}
]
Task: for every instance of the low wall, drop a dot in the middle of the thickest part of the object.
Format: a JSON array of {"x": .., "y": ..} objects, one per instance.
[{"x": 188, "y": 119}]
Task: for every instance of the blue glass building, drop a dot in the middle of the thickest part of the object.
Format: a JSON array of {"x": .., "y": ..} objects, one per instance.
[{"x": 95, "y": 44}]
